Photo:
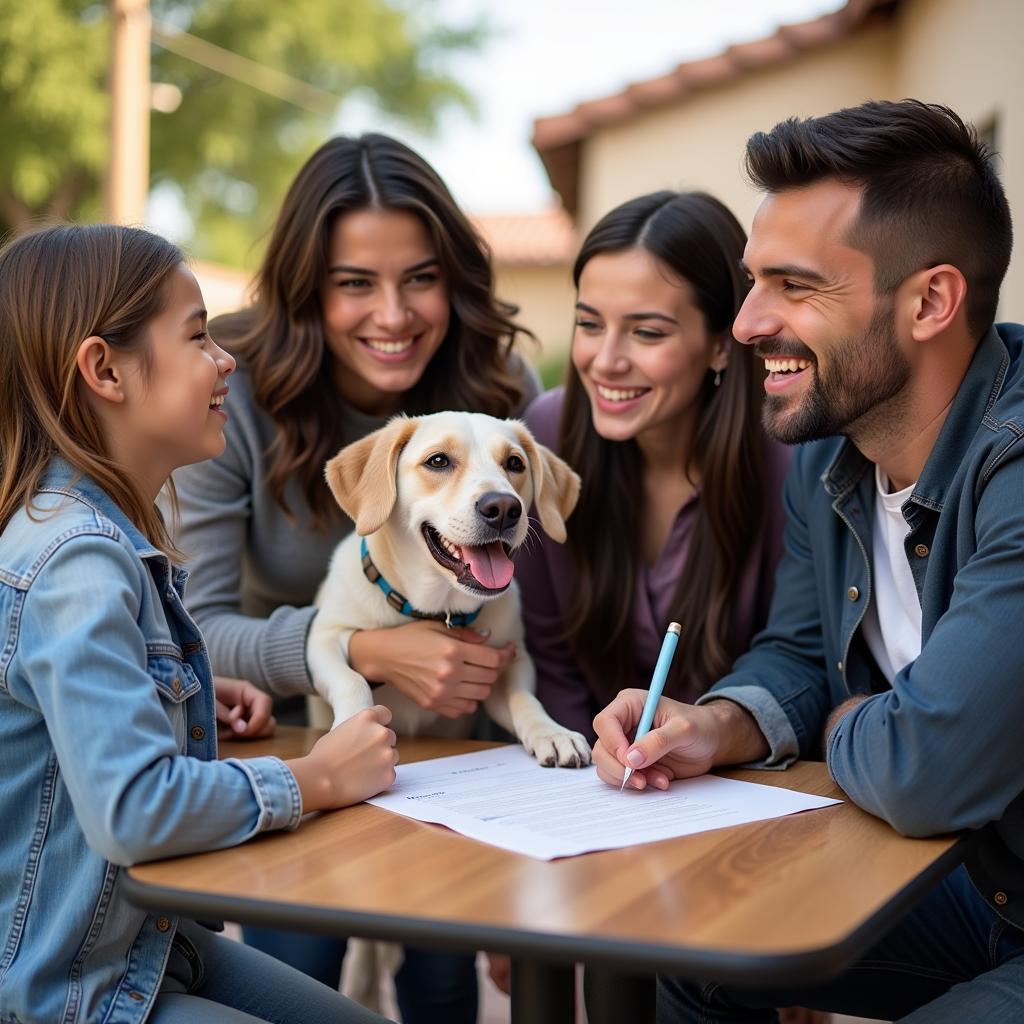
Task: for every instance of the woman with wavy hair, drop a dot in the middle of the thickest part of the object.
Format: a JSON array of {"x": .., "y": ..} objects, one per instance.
[{"x": 375, "y": 297}]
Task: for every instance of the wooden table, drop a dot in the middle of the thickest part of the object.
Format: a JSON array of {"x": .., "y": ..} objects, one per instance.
[{"x": 792, "y": 899}]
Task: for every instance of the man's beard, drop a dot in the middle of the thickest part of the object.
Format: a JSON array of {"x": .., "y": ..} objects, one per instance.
[{"x": 863, "y": 374}]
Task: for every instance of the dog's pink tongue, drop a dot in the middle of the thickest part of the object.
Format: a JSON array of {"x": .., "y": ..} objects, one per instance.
[{"x": 490, "y": 565}]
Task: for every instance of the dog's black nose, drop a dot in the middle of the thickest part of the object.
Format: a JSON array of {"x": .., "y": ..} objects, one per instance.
[{"x": 499, "y": 510}]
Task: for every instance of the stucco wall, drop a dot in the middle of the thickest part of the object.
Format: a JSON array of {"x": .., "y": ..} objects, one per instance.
[
  {"x": 224, "y": 289},
  {"x": 698, "y": 142},
  {"x": 970, "y": 56},
  {"x": 967, "y": 55},
  {"x": 545, "y": 296}
]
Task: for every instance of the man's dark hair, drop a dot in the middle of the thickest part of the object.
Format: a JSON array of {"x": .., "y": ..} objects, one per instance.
[{"x": 931, "y": 194}]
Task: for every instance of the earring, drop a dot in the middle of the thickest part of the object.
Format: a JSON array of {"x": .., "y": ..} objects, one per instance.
[{"x": 718, "y": 378}]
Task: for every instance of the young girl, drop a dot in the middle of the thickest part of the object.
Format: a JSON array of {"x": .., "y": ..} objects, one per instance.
[
  {"x": 375, "y": 297},
  {"x": 108, "y": 753}
]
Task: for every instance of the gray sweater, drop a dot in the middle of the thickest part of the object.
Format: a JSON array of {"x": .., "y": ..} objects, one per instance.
[{"x": 254, "y": 572}]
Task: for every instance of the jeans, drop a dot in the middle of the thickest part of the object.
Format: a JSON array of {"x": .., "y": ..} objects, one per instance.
[
  {"x": 432, "y": 987},
  {"x": 952, "y": 960},
  {"x": 211, "y": 979}
]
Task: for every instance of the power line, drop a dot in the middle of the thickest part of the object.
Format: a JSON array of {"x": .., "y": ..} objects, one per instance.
[{"x": 242, "y": 69}]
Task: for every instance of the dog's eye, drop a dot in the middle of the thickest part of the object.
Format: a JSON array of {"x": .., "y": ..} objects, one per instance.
[
  {"x": 438, "y": 461},
  {"x": 514, "y": 464}
]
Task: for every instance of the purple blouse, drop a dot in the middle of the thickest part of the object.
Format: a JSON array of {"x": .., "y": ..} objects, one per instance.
[{"x": 570, "y": 694}]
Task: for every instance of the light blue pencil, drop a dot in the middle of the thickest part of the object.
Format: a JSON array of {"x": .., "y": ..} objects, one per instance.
[{"x": 668, "y": 650}]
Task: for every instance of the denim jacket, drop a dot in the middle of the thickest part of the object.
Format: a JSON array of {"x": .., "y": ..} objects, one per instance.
[
  {"x": 108, "y": 750},
  {"x": 939, "y": 750}
]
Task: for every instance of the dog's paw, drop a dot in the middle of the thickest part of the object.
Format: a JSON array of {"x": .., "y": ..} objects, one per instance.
[
  {"x": 561, "y": 749},
  {"x": 342, "y": 713},
  {"x": 340, "y": 717}
]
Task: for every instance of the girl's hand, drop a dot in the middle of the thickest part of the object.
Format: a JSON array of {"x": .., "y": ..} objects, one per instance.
[
  {"x": 352, "y": 762},
  {"x": 448, "y": 671},
  {"x": 243, "y": 712}
]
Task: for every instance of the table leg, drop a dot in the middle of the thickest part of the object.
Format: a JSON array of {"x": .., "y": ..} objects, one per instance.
[
  {"x": 543, "y": 993},
  {"x": 613, "y": 997}
]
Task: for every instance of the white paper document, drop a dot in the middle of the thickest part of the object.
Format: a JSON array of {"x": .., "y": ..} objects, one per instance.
[{"x": 503, "y": 797}]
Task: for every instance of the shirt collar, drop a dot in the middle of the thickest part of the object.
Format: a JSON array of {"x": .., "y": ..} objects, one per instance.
[{"x": 61, "y": 475}]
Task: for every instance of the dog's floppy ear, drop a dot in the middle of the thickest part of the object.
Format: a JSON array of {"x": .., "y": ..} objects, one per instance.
[
  {"x": 362, "y": 476},
  {"x": 556, "y": 488}
]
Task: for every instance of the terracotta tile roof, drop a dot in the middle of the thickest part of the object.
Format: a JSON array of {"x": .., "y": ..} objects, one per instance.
[
  {"x": 529, "y": 239},
  {"x": 557, "y": 138}
]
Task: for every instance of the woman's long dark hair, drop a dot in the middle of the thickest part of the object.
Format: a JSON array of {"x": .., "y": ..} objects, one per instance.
[
  {"x": 281, "y": 337},
  {"x": 697, "y": 238}
]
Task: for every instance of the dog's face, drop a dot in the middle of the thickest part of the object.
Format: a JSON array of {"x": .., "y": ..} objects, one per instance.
[
  {"x": 460, "y": 482},
  {"x": 464, "y": 486}
]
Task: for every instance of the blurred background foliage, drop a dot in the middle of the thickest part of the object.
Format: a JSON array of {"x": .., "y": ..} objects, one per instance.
[{"x": 227, "y": 151}]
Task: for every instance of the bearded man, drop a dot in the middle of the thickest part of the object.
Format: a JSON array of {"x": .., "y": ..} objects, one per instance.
[{"x": 893, "y": 646}]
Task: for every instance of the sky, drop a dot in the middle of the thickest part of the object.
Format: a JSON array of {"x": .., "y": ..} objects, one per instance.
[
  {"x": 545, "y": 56},
  {"x": 542, "y": 58}
]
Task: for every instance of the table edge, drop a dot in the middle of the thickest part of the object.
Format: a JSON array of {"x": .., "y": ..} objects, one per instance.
[{"x": 747, "y": 968}]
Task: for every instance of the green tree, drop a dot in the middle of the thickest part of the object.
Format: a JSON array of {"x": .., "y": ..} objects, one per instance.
[{"x": 229, "y": 148}]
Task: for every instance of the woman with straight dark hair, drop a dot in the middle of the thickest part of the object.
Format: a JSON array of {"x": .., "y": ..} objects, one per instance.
[
  {"x": 375, "y": 297},
  {"x": 680, "y": 516}
]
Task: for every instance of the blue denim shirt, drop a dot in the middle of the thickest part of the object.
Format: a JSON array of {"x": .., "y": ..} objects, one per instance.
[
  {"x": 939, "y": 750},
  {"x": 108, "y": 756}
]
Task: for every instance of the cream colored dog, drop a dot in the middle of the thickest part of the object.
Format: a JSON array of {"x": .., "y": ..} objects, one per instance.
[{"x": 440, "y": 503}]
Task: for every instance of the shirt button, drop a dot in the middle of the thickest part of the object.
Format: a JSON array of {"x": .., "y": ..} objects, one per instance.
[
  {"x": 853, "y": 593},
  {"x": 1000, "y": 898},
  {"x": 176, "y": 685},
  {"x": 839, "y": 665},
  {"x": 198, "y": 732},
  {"x": 921, "y": 551},
  {"x": 163, "y": 923},
  {"x": 137, "y": 996}
]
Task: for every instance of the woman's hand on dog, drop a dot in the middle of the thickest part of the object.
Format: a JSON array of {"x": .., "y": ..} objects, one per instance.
[
  {"x": 354, "y": 761},
  {"x": 447, "y": 671},
  {"x": 243, "y": 712}
]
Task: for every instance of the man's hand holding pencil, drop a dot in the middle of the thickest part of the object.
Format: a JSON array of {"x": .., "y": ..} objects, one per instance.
[{"x": 684, "y": 740}]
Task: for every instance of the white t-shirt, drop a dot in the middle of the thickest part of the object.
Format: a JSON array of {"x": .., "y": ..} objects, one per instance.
[{"x": 892, "y": 623}]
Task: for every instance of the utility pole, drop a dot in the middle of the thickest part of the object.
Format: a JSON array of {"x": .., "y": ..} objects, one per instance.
[{"x": 128, "y": 169}]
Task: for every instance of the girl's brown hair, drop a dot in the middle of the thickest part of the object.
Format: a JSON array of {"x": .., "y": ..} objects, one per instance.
[
  {"x": 59, "y": 286},
  {"x": 281, "y": 337},
  {"x": 696, "y": 238}
]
